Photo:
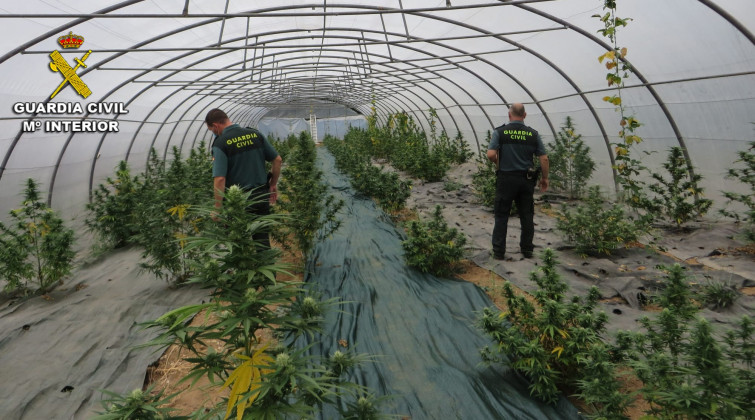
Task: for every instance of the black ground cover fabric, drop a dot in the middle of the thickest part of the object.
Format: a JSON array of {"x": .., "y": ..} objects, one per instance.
[
  {"x": 418, "y": 327},
  {"x": 57, "y": 354}
]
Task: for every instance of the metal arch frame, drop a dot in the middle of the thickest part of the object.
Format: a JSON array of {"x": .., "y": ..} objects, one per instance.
[
  {"x": 146, "y": 88},
  {"x": 132, "y": 2},
  {"x": 402, "y": 70},
  {"x": 414, "y": 11},
  {"x": 667, "y": 113},
  {"x": 522, "y": 86},
  {"x": 261, "y": 110},
  {"x": 178, "y": 90},
  {"x": 251, "y": 109},
  {"x": 566, "y": 78},
  {"x": 383, "y": 87},
  {"x": 184, "y": 55},
  {"x": 370, "y": 62},
  {"x": 448, "y": 62},
  {"x": 262, "y": 59},
  {"x": 730, "y": 18},
  {"x": 34, "y": 41}
]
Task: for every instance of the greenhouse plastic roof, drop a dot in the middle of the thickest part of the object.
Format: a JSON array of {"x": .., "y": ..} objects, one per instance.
[{"x": 170, "y": 61}]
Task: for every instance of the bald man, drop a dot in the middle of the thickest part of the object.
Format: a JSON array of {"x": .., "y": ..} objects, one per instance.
[{"x": 512, "y": 148}]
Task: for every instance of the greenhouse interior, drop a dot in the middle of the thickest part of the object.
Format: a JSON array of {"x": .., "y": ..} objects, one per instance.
[{"x": 403, "y": 209}]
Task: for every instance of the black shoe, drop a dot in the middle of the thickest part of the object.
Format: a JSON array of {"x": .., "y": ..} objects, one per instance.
[
  {"x": 498, "y": 256},
  {"x": 527, "y": 254}
]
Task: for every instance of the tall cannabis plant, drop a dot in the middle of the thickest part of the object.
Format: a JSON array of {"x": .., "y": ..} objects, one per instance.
[
  {"x": 483, "y": 181},
  {"x": 111, "y": 210},
  {"x": 686, "y": 370},
  {"x": 165, "y": 197},
  {"x": 351, "y": 156},
  {"x": 745, "y": 175},
  {"x": 432, "y": 246},
  {"x": 570, "y": 162},
  {"x": 266, "y": 381},
  {"x": 305, "y": 199},
  {"x": 553, "y": 341},
  {"x": 37, "y": 246},
  {"x": 678, "y": 198},
  {"x": 597, "y": 227}
]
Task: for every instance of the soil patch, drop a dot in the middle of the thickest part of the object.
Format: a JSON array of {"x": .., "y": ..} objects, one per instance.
[{"x": 168, "y": 371}]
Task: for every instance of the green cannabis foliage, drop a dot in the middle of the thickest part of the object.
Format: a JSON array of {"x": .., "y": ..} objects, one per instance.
[
  {"x": 432, "y": 246},
  {"x": 167, "y": 193},
  {"x": 718, "y": 294},
  {"x": 403, "y": 144},
  {"x": 596, "y": 227},
  {"x": 555, "y": 342},
  {"x": 267, "y": 382},
  {"x": 304, "y": 197},
  {"x": 111, "y": 210},
  {"x": 36, "y": 246},
  {"x": 353, "y": 158},
  {"x": 570, "y": 162},
  {"x": 408, "y": 148},
  {"x": 483, "y": 181},
  {"x": 151, "y": 209},
  {"x": 141, "y": 405},
  {"x": 686, "y": 370},
  {"x": 745, "y": 175},
  {"x": 677, "y": 199}
]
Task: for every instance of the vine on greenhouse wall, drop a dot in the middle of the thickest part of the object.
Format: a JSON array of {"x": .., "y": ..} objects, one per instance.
[{"x": 627, "y": 168}]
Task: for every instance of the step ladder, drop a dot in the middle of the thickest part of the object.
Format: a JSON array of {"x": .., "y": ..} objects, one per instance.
[{"x": 313, "y": 127}]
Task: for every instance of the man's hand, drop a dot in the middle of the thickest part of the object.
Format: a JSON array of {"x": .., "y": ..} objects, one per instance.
[
  {"x": 543, "y": 184},
  {"x": 273, "y": 194}
]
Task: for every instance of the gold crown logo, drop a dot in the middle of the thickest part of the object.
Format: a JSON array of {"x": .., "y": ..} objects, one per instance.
[{"x": 71, "y": 40}]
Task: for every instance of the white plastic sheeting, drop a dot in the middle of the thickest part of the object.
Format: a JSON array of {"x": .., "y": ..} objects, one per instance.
[{"x": 170, "y": 61}]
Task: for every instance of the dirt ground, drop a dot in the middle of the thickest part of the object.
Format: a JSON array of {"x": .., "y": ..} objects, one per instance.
[
  {"x": 166, "y": 373},
  {"x": 710, "y": 251}
]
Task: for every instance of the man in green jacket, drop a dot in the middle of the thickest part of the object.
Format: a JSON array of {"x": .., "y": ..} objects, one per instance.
[
  {"x": 513, "y": 147},
  {"x": 238, "y": 158}
]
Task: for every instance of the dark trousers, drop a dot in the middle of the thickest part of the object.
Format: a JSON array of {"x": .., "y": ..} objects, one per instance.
[
  {"x": 260, "y": 206},
  {"x": 514, "y": 188}
]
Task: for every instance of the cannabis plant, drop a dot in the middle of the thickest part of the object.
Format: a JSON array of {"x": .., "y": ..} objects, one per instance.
[
  {"x": 678, "y": 199},
  {"x": 484, "y": 180},
  {"x": 686, "y": 370},
  {"x": 570, "y": 162},
  {"x": 553, "y": 341},
  {"x": 432, "y": 246},
  {"x": 36, "y": 246},
  {"x": 718, "y": 294},
  {"x": 364, "y": 408},
  {"x": 137, "y": 405},
  {"x": 745, "y": 175},
  {"x": 198, "y": 174},
  {"x": 304, "y": 198},
  {"x": 266, "y": 381},
  {"x": 111, "y": 210},
  {"x": 596, "y": 227},
  {"x": 387, "y": 188},
  {"x": 164, "y": 199}
]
